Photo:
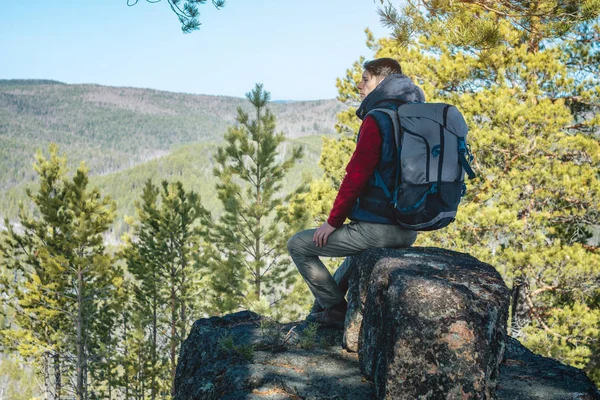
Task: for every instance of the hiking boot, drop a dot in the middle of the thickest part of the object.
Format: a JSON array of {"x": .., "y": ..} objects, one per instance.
[
  {"x": 316, "y": 308},
  {"x": 331, "y": 316}
]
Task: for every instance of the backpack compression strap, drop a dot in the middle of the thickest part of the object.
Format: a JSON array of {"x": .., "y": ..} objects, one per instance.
[{"x": 463, "y": 151}]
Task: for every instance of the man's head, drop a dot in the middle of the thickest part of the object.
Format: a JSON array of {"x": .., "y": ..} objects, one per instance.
[{"x": 376, "y": 71}]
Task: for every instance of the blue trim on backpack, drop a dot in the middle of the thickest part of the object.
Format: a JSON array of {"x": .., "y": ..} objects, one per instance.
[
  {"x": 379, "y": 182},
  {"x": 433, "y": 189},
  {"x": 462, "y": 156}
]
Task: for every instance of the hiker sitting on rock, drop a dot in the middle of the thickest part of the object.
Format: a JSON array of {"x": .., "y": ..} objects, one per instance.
[{"x": 359, "y": 198}]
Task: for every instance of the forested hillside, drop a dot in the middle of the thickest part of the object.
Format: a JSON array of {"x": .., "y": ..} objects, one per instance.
[
  {"x": 114, "y": 128},
  {"x": 127, "y": 135}
]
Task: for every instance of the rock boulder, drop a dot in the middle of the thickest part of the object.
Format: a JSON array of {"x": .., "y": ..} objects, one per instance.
[
  {"x": 430, "y": 323},
  {"x": 244, "y": 356}
]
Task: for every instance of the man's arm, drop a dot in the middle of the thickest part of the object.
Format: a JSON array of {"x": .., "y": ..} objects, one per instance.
[{"x": 365, "y": 158}]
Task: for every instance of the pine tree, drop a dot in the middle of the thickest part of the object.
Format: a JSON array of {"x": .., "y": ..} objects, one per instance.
[
  {"x": 166, "y": 257},
  {"x": 34, "y": 285},
  {"x": 525, "y": 75},
  {"x": 145, "y": 260},
  {"x": 63, "y": 274},
  {"x": 186, "y": 225},
  {"x": 254, "y": 267}
]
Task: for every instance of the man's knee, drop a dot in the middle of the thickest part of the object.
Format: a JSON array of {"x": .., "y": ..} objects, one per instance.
[
  {"x": 293, "y": 244},
  {"x": 290, "y": 244},
  {"x": 297, "y": 242}
]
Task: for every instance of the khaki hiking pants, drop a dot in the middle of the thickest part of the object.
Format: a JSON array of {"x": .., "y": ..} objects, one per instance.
[{"x": 349, "y": 240}]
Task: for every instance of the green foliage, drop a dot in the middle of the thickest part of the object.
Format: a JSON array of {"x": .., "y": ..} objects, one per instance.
[
  {"x": 230, "y": 349},
  {"x": 568, "y": 339},
  {"x": 271, "y": 335},
  {"x": 308, "y": 337},
  {"x": 62, "y": 277},
  {"x": 525, "y": 76},
  {"x": 252, "y": 266},
  {"x": 537, "y": 20}
]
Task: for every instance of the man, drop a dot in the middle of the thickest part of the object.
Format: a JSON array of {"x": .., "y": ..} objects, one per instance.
[{"x": 359, "y": 198}]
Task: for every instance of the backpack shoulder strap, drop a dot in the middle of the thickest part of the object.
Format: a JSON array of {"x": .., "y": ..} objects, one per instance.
[
  {"x": 397, "y": 136},
  {"x": 395, "y": 122}
]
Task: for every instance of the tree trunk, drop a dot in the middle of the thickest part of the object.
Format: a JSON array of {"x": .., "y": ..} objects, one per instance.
[
  {"x": 57, "y": 378},
  {"x": 80, "y": 371},
  {"x": 46, "y": 368},
  {"x": 257, "y": 267},
  {"x": 257, "y": 278},
  {"x": 154, "y": 332},
  {"x": 154, "y": 344},
  {"x": 142, "y": 377},
  {"x": 182, "y": 295},
  {"x": 257, "y": 241},
  {"x": 85, "y": 366},
  {"x": 519, "y": 309},
  {"x": 173, "y": 329},
  {"x": 535, "y": 37},
  {"x": 126, "y": 354},
  {"x": 109, "y": 366}
]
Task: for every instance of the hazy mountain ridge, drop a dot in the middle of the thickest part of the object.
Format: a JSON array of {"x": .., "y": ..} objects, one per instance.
[
  {"x": 23, "y": 82},
  {"x": 115, "y": 128}
]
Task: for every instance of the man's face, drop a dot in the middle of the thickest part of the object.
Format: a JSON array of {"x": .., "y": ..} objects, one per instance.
[{"x": 368, "y": 83}]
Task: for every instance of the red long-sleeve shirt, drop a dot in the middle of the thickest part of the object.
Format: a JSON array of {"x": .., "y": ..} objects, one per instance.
[{"x": 358, "y": 171}]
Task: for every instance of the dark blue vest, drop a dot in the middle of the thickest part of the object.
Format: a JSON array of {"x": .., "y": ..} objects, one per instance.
[{"x": 372, "y": 204}]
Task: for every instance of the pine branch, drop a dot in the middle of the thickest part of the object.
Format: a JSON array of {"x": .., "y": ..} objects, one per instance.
[
  {"x": 188, "y": 15},
  {"x": 544, "y": 289},
  {"x": 534, "y": 314},
  {"x": 269, "y": 252},
  {"x": 271, "y": 264}
]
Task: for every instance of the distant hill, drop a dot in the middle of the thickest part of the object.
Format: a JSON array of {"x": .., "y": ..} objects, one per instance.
[
  {"x": 115, "y": 128},
  {"x": 28, "y": 82},
  {"x": 127, "y": 135}
]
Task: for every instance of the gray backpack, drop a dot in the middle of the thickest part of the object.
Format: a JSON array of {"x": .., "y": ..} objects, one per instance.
[{"x": 433, "y": 157}]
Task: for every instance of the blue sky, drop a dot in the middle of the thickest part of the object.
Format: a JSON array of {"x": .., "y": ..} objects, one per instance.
[{"x": 296, "y": 48}]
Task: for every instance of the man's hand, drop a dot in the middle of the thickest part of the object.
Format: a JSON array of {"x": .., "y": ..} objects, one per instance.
[{"x": 322, "y": 233}]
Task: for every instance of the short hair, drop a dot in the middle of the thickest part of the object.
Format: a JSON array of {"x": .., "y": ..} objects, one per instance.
[{"x": 383, "y": 67}]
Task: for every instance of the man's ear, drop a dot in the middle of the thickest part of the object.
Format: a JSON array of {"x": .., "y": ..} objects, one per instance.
[{"x": 379, "y": 78}]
